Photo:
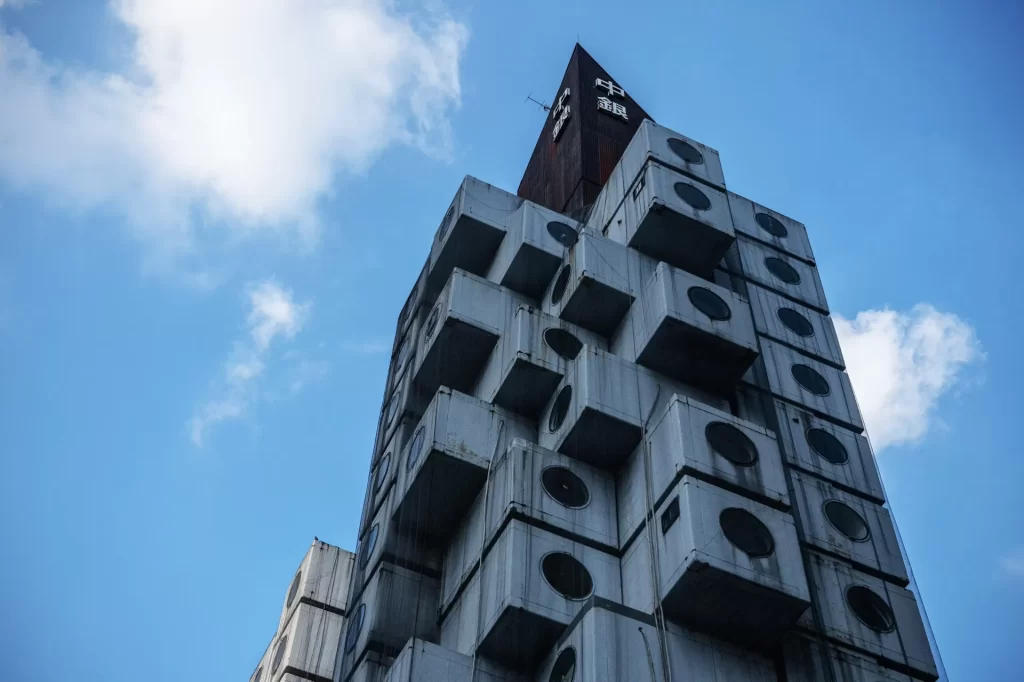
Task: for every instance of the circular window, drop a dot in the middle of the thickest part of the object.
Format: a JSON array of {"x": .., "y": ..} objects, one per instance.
[
  {"x": 827, "y": 446},
  {"x": 369, "y": 544},
  {"x": 258, "y": 676},
  {"x": 392, "y": 409},
  {"x": 403, "y": 355},
  {"x": 565, "y": 666},
  {"x": 417, "y": 445},
  {"x": 746, "y": 532},
  {"x": 293, "y": 591},
  {"x": 279, "y": 654},
  {"x": 810, "y": 379},
  {"x": 870, "y": 609},
  {"x": 563, "y": 343},
  {"x": 783, "y": 270},
  {"x": 771, "y": 225},
  {"x": 731, "y": 443},
  {"x": 354, "y": 628},
  {"x": 795, "y": 322},
  {"x": 561, "y": 283},
  {"x": 565, "y": 487},
  {"x": 435, "y": 315},
  {"x": 709, "y": 303},
  {"x": 382, "y": 471},
  {"x": 685, "y": 151},
  {"x": 562, "y": 233},
  {"x": 567, "y": 576},
  {"x": 444, "y": 223},
  {"x": 846, "y": 520},
  {"x": 560, "y": 409},
  {"x": 693, "y": 196}
]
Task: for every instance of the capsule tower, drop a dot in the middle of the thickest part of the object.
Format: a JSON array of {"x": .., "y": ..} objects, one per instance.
[{"x": 618, "y": 441}]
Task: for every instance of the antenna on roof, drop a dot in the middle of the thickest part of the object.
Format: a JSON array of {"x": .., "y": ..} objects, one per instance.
[{"x": 529, "y": 98}]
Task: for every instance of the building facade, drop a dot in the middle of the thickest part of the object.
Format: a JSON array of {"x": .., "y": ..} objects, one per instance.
[{"x": 618, "y": 441}]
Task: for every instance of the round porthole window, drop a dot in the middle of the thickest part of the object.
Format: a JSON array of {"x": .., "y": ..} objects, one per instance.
[
  {"x": 709, "y": 303},
  {"x": 567, "y": 576},
  {"x": 693, "y": 196},
  {"x": 564, "y": 669},
  {"x": 827, "y": 446},
  {"x": 258, "y": 676},
  {"x": 782, "y": 270},
  {"x": 731, "y": 443},
  {"x": 431, "y": 325},
  {"x": 392, "y": 409},
  {"x": 746, "y": 532},
  {"x": 810, "y": 380},
  {"x": 279, "y": 654},
  {"x": 563, "y": 233},
  {"x": 403, "y": 355},
  {"x": 561, "y": 283},
  {"x": 382, "y": 472},
  {"x": 560, "y": 409},
  {"x": 795, "y": 322},
  {"x": 444, "y": 223},
  {"x": 293, "y": 591},
  {"x": 565, "y": 487},
  {"x": 369, "y": 544},
  {"x": 771, "y": 225},
  {"x": 685, "y": 151},
  {"x": 355, "y": 627},
  {"x": 417, "y": 445},
  {"x": 870, "y": 609},
  {"x": 564, "y": 343},
  {"x": 846, "y": 520}
]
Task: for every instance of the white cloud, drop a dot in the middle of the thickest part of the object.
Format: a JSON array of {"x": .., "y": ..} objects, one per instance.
[
  {"x": 1012, "y": 563},
  {"x": 273, "y": 316},
  {"x": 900, "y": 364},
  {"x": 237, "y": 113}
]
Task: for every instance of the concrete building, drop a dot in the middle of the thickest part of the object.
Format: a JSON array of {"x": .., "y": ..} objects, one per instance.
[
  {"x": 618, "y": 441},
  {"x": 305, "y": 643}
]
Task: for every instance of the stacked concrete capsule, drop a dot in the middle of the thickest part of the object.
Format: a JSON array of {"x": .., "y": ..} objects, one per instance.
[{"x": 625, "y": 449}]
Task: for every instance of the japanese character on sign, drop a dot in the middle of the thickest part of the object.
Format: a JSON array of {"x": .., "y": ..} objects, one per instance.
[
  {"x": 612, "y": 108},
  {"x": 561, "y": 113},
  {"x": 613, "y": 89}
]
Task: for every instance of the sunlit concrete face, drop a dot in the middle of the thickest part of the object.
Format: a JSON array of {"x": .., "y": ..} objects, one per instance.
[{"x": 621, "y": 443}]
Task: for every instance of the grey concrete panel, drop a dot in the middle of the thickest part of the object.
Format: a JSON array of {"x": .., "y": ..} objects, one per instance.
[
  {"x": 307, "y": 645},
  {"x": 807, "y": 660},
  {"x": 470, "y": 232},
  {"x": 403, "y": 403},
  {"x": 460, "y": 332},
  {"x": 422, "y": 661},
  {"x": 858, "y": 473},
  {"x": 410, "y": 309},
  {"x": 745, "y": 218},
  {"x": 603, "y": 278},
  {"x": 775, "y": 371},
  {"x": 665, "y": 331},
  {"x": 750, "y": 260},
  {"x": 707, "y": 582},
  {"x": 370, "y": 669},
  {"x": 323, "y": 577},
  {"x": 822, "y": 341},
  {"x": 443, "y": 470},
  {"x": 651, "y": 143},
  {"x": 679, "y": 445},
  {"x": 873, "y": 547},
  {"x": 752, "y": 405},
  {"x": 904, "y": 647},
  {"x": 397, "y": 604},
  {"x": 655, "y": 219},
  {"x": 530, "y": 254},
  {"x": 524, "y": 369},
  {"x": 509, "y": 612}
]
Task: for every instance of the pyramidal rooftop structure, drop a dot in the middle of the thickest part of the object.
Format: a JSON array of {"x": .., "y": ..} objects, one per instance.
[{"x": 618, "y": 441}]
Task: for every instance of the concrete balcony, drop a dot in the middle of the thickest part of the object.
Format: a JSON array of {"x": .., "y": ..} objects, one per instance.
[{"x": 533, "y": 249}]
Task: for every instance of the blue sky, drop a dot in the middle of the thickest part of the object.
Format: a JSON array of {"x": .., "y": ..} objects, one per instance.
[{"x": 210, "y": 216}]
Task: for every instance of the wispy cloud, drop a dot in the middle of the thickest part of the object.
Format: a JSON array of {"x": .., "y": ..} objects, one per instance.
[
  {"x": 237, "y": 114},
  {"x": 367, "y": 347},
  {"x": 1012, "y": 563},
  {"x": 901, "y": 364},
  {"x": 273, "y": 317}
]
